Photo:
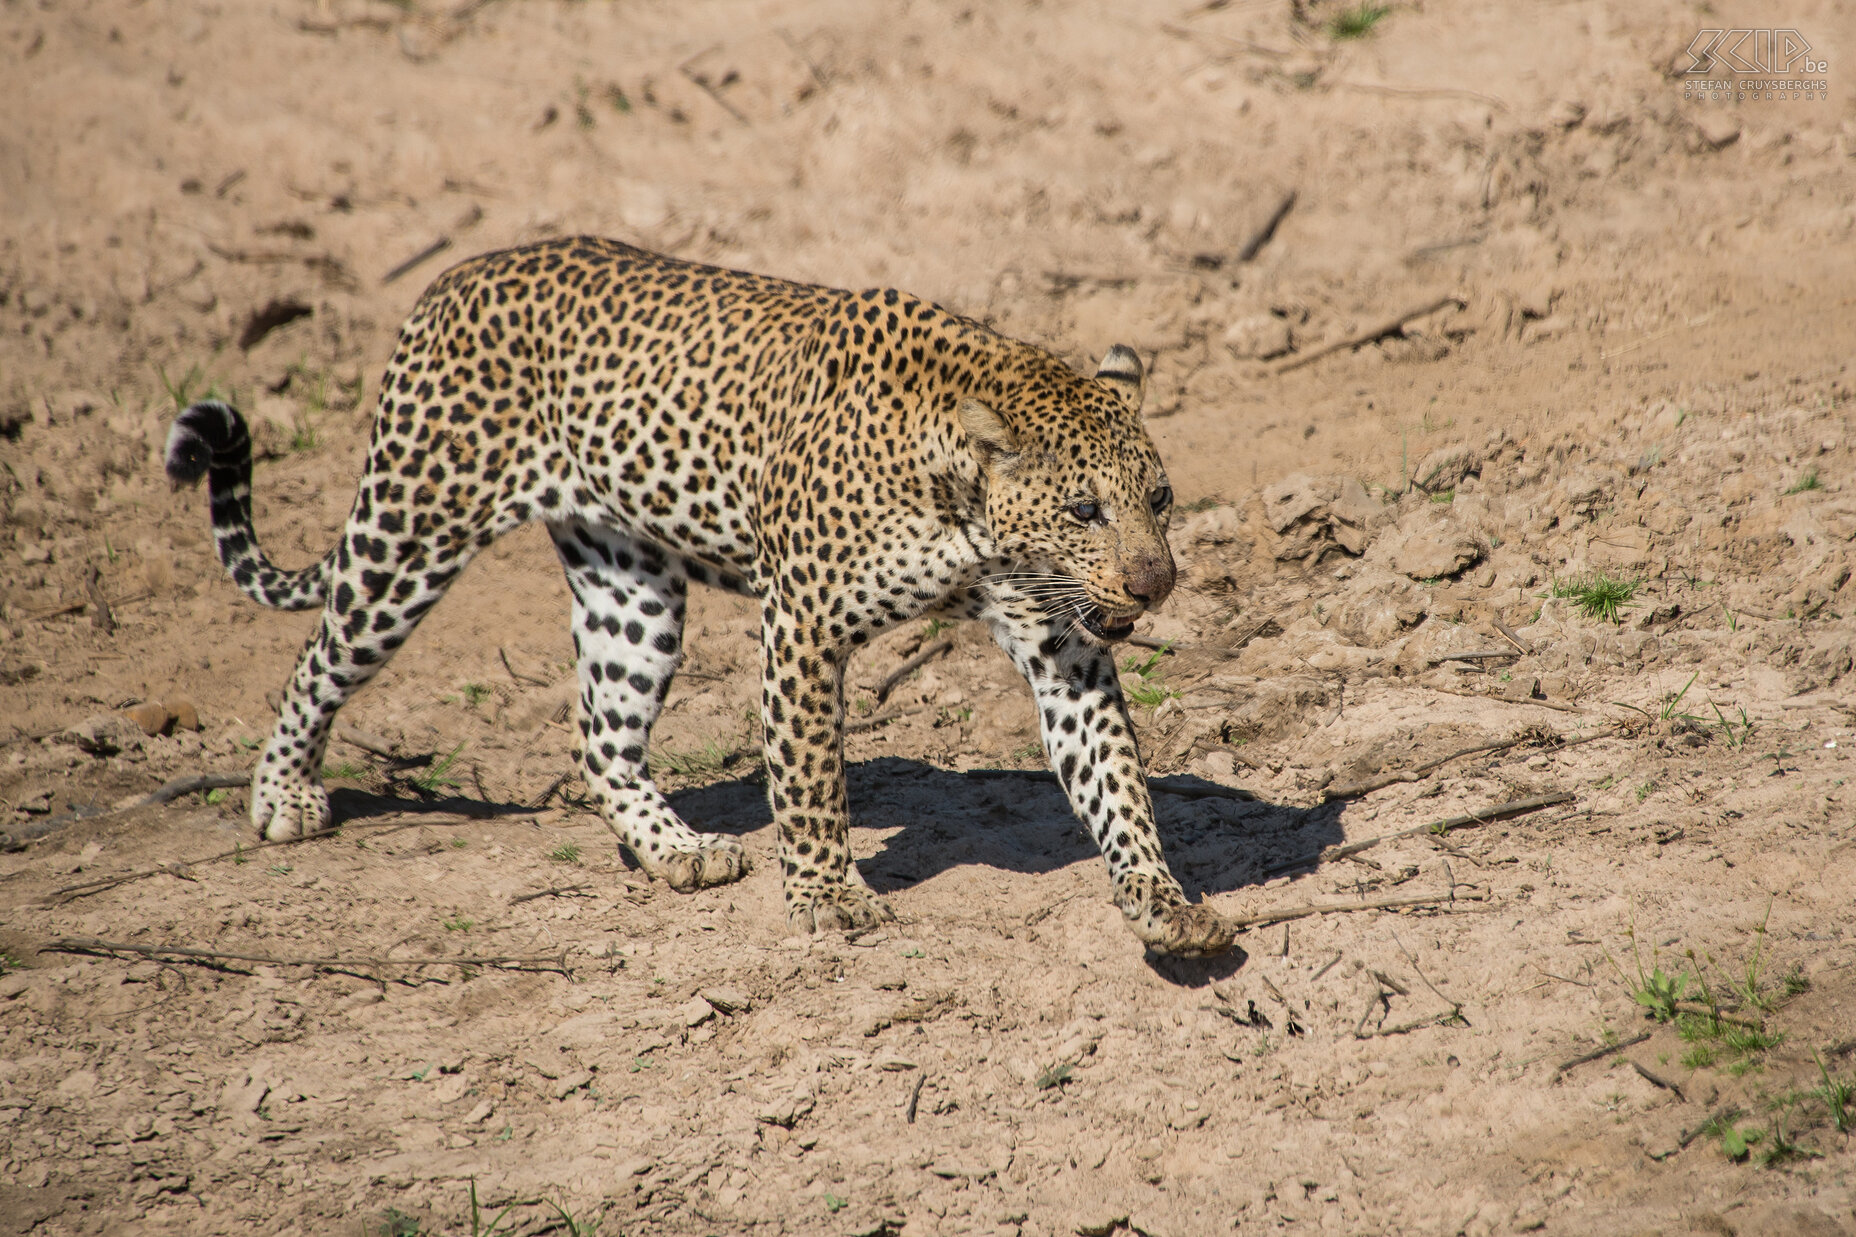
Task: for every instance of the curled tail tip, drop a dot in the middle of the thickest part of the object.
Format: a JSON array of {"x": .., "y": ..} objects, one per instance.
[{"x": 206, "y": 431}]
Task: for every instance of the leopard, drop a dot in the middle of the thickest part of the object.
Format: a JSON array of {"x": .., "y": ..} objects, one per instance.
[{"x": 852, "y": 460}]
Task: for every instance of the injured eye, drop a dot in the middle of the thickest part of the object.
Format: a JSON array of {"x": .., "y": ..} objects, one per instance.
[{"x": 1086, "y": 513}]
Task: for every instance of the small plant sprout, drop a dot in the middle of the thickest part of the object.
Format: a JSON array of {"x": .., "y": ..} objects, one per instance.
[
  {"x": 1055, "y": 1076},
  {"x": 457, "y": 923},
  {"x": 1674, "y": 702},
  {"x": 475, "y": 694},
  {"x": 566, "y": 852},
  {"x": 1599, "y": 596},
  {"x": 347, "y": 770},
  {"x": 1806, "y": 483},
  {"x": 1148, "y": 690},
  {"x": 834, "y": 1204},
  {"x": 1356, "y": 23},
  {"x": 1837, "y": 1095},
  {"x": 438, "y": 773}
]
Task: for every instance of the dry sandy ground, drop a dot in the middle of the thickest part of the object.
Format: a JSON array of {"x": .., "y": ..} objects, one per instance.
[{"x": 1643, "y": 371}]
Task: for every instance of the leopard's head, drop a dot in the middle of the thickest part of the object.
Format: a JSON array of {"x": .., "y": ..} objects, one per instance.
[{"x": 1076, "y": 495}]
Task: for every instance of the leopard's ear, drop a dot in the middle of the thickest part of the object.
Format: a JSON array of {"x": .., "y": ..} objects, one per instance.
[
  {"x": 1121, "y": 373},
  {"x": 988, "y": 436}
]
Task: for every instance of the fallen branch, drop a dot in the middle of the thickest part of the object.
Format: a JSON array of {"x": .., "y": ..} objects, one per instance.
[
  {"x": 17, "y": 839},
  {"x": 1512, "y": 636},
  {"x": 1656, "y": 1080},
  {"x": 1383, "y": 904},
  {"x": 1349, "y": 790},
  {"x": 556, "y": 963},
  {"x": 1604, "y": 1051},
  {"x": 1208, "y": 791},
  {"x": 910, "y": 666},
  {"x": 1501, "y": 811},
  {"x": 1391, "y": 326},
  {"x": 530, "y": 679},
  {"x": 424, "y": 255},
  {"x": 1262, "y": 235},
  {"x": 558, "y": 891},
  {"x": 872, "y": 722},
  {"x": 1159, "y": 646},
  {"x": 1528, "y": 702}
]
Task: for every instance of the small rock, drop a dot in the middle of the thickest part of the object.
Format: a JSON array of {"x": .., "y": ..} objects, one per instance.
[
  {"x": 479, "y": 1114},
  {"x": 1566, "y": 114},
  {"x": 105, "y": 734},
  {"x": 727, "y": 1000},
  {"x": 565, "y": 1087},
  {"x": 695, "y": 1011},
  {"x": 1258, "y": 337},
  {"x": 152, "y": 716},
  {"x": 1435, "y": 555},
  {"x": 186, "y": 716},
  {"x": 894, "y": 1065},
  {"x": 1718, "y": 129}
]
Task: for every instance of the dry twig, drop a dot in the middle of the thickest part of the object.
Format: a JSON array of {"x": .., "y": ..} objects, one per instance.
[
  {"x": 910, "y": 666},
  {"x": 556, "y": 963},
  {"x": 1500, "y": 811},
  {"x": 1392, "y": 326},
  {"x": 1383, "y": 904},
  {"x": 1604, "y": 1051}
]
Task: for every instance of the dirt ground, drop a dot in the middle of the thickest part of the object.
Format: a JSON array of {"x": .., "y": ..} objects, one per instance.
[{"x": 1606, "y": 335}]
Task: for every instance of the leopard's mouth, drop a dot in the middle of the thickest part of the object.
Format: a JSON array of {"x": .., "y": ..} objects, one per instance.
[{"x": 1104, "y": 626}]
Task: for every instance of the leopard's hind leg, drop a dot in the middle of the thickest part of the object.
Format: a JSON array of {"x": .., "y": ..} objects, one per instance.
[{"x": 628, "y": 611}]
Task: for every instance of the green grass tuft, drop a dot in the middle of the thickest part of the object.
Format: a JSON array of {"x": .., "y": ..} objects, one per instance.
[
  {"x": 1810, "y": 481},
  {"x": 1358, "y": 21},
  {"x": 1599, "y": 596}
]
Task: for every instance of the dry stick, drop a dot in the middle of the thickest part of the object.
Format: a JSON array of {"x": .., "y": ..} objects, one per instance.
[
  {"x": 179, "y": 867},
  {"x": 1158, "y": 646},
  {"x": 1348, "y": 790},
  {"x": 1512, "y": 636},
  {"x": 530, "y": 679},
  {"x": 871, "y": 723},
  {"x": 1529, "y": 703},
  {"x": 1658, "y": 1081},
  {"x": 915, "y": 1096},
  {"x": 1604, "y": 1051},
  {"x": 100, "y": 617},
  {"x": 166, "y": 794},
  {"x": 1208, "y": 791},
  {"x": 1383, "y": 904},
  {"x": 1391, "y": 326},
  {"x": 910, "y": 666},
  {"x": 424, "y": 255},
  {"x": 368, "y": 742},
  {"x": 1262, "y": 235},
  {"x": 91, "y": 945},
  {"x": 702, "y": 83},
  {"x": 1500, "y": 811},
  {"x": 557, "y": 891},
  {"x": 1485, "y": 655}
]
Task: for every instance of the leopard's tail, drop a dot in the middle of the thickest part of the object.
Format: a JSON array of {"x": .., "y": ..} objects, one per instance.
[{"x": 210, "y": 440}]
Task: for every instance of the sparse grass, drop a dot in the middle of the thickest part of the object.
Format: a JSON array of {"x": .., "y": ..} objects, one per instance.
[
  {"x": 834, "y": 1204},
  {"x": 477, "y": 1228},
  {"x": 1444, "y": 496},
  {"x": 1055, "y": 1076},
  {"x": 1148, "y": 690},
  {"x": 1029, "y": 751},
  {"x": 1780, "y": 1148},
  {"x": 1358, "y": 21},
  {"x": 709, "y": 759},
  {"x": 1598, "y": 595},
  {"x": 1645, "y": 790},
  {"x": 475, "y": 694},
  {"x": 1806, "y": 483},
  {"x": 934, "y": 627},
  {"x": 566, "y": 852},
  {"x": 191, "y": 387},
  {"x": 347, "y": 770},
  {"x": 438, "y": 773},
  {"x": 1199, "y": 504},
  {"x": 10, "y": 962},
  {"x": 1836, "y": 1095},
  {"x": 280, "y": 869},
  {"x": 1736, "y": 733},
  {"x": 217, "y": 795},
  {"x": 1735, "y": 1142},
  {"x": 1674, "y": 702},
  {"x": 457, "y": 923}
]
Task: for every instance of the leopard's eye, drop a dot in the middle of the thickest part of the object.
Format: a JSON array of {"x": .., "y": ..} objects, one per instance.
[
  {"x": 1162, "y": 499},
  {"x": 1086, "y": 513}
]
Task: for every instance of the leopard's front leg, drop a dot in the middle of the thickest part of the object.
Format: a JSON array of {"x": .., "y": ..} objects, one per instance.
[
  {"x": 802, "y": 714},
  {"x": 1090, "y": 741}
]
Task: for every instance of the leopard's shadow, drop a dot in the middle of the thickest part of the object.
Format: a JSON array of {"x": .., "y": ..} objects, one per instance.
[{"x": 1021, "y": 822}]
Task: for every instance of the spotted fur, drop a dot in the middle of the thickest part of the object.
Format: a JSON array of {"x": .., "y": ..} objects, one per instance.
[{"x": 853, "y": 460}]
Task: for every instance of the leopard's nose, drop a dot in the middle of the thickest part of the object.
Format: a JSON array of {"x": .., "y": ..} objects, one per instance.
[{"x": 1150, "y": 579}]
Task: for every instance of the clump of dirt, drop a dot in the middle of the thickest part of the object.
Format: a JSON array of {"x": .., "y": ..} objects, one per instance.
[{"x": 1506, "y": 696}]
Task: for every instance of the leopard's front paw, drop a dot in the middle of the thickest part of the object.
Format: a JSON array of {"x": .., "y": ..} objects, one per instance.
[
  {"x": 284, "y": 810},
  {"x": 718, "y": 861},
  {"x": 1183, "y": 930},
  {"x": 835, "y": 908}
]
